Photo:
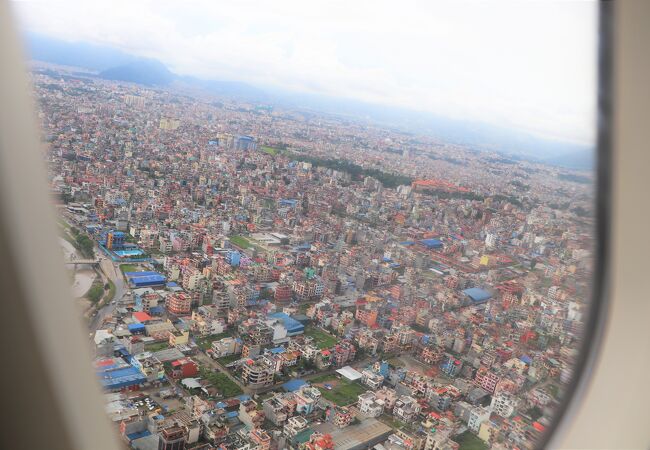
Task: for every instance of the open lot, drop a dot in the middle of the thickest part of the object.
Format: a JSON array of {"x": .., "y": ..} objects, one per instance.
[
  {"x": 225, "y": 360},
  {"x": 270, "y": 150},
  {"x": 220, "y": 381},
  {"x": 205, "y": 343},
  {"x": 322, "y": 339},
  {"x": 343, "y": 392},
  {"x": 131, "y": 268},
  {"x": 468, "y": 441},
  {"x": 240, "y": 241}
]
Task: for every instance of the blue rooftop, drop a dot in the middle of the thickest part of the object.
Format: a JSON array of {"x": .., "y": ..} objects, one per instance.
[
  {"x": 293, "y": 385},
  {"x": 136, "y": 327},
  {"x": 138, "y": 435},
  {"x": 145, "y": 278},
  {"x": 477, "y": 294},
  {"x": 120, "y": 378},
  {"x": 292, "y": 325},
  {"x": 431, "y": 243}
]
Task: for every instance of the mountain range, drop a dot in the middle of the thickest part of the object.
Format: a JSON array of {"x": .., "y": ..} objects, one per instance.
[{"x": 113, "y": 64}]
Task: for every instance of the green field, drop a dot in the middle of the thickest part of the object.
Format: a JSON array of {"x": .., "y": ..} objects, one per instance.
[
  {"x": 322, "y": 378},
  {"x": 392, "y": 422},
  {"x": 96, "y": 291},
  {"x": 468, "y": 441},
  {"x": 157, "y": 346},
  {"x": 225, "y": 360},
  {"x": 321, "y": 338},
  {"x": 240, "y": 241},
  {"x": 205, "y": 343},
  {"x": 111, "y": 290},
  {"x": 221, "y": 382},
  {"x": 270, "y": 150},
  {"x": 131, "y": 268},
  {"x": 344, "y": 393}
]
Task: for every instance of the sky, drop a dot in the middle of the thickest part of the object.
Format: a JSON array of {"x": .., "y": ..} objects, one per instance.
[{"x": 525, "y": 65}]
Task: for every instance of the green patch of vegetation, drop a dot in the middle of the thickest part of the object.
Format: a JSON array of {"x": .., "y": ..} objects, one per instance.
[
  {"x": 68, "y": 238},
  {"x": 535, "y": 412},
  {"x": 453, "y": 195},
  {"x": 581, "y": 212},
  {"x": 345, "y": 393},
  {"x": 270, "y": 150},
  {"x": 321, "y": 338},
  {"x": 581, "y": 179},
  {"x": 205, "y": 343},
  {"x": 392, "y": 422},
  {"x": 420, "y": 328},
  {"x": 357, "y": 172},
  {"x": 468, "y": 441},
  {"x": 508, "y": 198},
  {"x": 85, "y": 245},
  {"x": 323, "y": 378},
  {"x": 221, "y": 382},
  {"x": 225, "y": 360},
  {"x": 111, "y": 289},
  {"x": 240, "y": 241},
  {"x": 130, "y": 268},
  {"x": 553, "y": 390},
  {"x": 96, "y": 291},
  {"x": 157, "y": 346}
]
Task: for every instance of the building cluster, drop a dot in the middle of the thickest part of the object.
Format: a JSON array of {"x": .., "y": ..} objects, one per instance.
[{"x": 285, "y": 293}]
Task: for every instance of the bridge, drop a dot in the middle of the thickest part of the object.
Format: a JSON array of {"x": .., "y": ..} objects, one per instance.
[{"x": 76, "y": 262}]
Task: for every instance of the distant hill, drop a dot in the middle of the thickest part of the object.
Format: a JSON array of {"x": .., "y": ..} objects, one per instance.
[
  {"x": 143, "y": 71},
  {"x": 116, "y": 65},
  {"x": 579, "y": 160},
  {"x": 234, "y": 89},
  {"x": 77, "y": 54},
  {"x": 476, "y": 135}
]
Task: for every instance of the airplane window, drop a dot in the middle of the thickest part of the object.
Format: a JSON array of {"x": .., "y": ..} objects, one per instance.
[{"x": 319, "y": 225}]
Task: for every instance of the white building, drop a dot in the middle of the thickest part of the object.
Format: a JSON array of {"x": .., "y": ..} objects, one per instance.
[
  {"x": 477, "y": 416},
  {"x": 503, "y": 404},
  {"x": 369, "y": 405}
]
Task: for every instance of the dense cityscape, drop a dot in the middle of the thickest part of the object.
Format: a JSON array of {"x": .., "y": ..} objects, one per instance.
[{"x": 258, "y": 277}]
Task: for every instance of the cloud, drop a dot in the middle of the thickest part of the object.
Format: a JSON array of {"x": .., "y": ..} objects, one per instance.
[{"x": 525, "y": 65}]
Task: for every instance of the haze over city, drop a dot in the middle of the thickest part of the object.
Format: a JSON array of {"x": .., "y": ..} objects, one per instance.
[{"x": 525, "y": 67}]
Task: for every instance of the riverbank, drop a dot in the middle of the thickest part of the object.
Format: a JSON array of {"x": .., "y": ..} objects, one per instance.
[{"x": 83, "y": 277}]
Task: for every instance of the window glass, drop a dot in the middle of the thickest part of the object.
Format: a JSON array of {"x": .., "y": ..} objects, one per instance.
[{"x": 324, "y": 224}]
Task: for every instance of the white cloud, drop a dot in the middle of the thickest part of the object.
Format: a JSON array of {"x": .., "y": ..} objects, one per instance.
[{"x": 527, "y": 65}]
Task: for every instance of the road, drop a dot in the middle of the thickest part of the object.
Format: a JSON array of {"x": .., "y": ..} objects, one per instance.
[
  {"x": 111, "y": 271},
  {"x": 107, "y": 270},
  {"x": 204, "y": 359}
]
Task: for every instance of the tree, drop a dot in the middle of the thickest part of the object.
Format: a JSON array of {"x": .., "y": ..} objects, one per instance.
[
  {"x": 535, "y": 412},
  {"x": 85, "y": 245}
]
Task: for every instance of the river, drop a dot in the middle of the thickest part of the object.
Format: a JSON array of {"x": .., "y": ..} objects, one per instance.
[{"x": 83, "y": 276}]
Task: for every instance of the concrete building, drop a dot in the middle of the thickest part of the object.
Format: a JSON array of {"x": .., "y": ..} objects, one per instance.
[
  {"x": 256, "y": 374},
  {"x": 477, "y": 416},
  {"x": 369, "y": 405},
  {"x": 406, "y": 409}
]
